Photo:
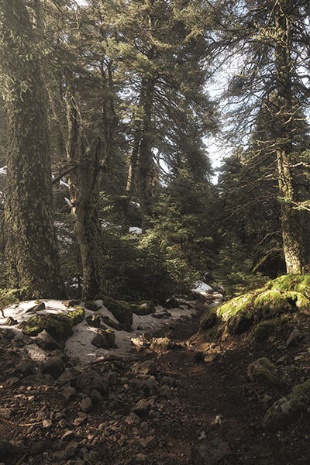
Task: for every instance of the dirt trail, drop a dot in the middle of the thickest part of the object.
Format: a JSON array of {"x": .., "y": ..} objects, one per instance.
[{"x": 162, "y": 407}]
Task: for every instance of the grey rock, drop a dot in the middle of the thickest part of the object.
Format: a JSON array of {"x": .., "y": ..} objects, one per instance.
[
  {"x": 148, "y": 367},
  {"x": 210, "y": 452},
  {"x": 90, "y": 380},
  {"x": 294, "y": 337},
  {"x": 86, "y": 404},
  {"x": 142, "y": 407},
  {"x": 53, "y": 366},
  {"x": 46, "y": 342}
]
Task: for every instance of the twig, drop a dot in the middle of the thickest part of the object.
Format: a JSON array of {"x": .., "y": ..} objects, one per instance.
[{"x": 21, "y": 424}]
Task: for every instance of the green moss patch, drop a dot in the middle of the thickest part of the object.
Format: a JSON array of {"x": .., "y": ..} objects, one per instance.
[
  {"x": 282, "y": 296},
  {"x": 143, "y": 308},
  {"x": 58, "y": 326},
  {"x": 120, "y": 310},
  {"x": 77, "y": 315},
  {"x": 300, "y": 394}
]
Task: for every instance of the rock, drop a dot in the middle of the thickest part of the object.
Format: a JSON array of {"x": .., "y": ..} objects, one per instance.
[
  {"x": 208, "y": 320},
  {"x": 142, "y": 407},
  {"x": 46, "y": 342},
  {"x": 95, "y": 396},
  {"x": 161, "y": 344},
  {"x": 264, "y": 371},
  {"x": 277, "y": 416},
  {"x": 59, "y": 326},
  {"x": 120, "y": 310},
  {"x": 24, "y": 367},
  {"x": 86, "y": 405},
  {"x": 147, "y": 442},
  {"x": 213, "y": 452},
  {"x": 91, "y": 305},
  {"x": 105, "y": 339},
  {"x": 10, "y": 321},
  {"x": 239, "y": 323},
  {"x": 5, "y": 413},
  {"x": 94, "y": 321},
  {"x": 286, "y": 409},
  {"x": 294, "y": 337},
  {"x": 71, "y": 302},
  {"x": 143, "y": 308},
  {"x": 68, "y": 452},
  {"x": 90, "y": 380},
  {"x": 77, "y": 315},
  {"x": 9, "y": 451},
  {"x": 148, "y": 385},
  {"x": 148, "y": 367},
  {"x": 172, "y": 303},
  {"x": 37, "y": 308},
  {"x": 161, "y": 315},
  {"x": 53, "y": 366},
  {"x": 68, "y": 392}
]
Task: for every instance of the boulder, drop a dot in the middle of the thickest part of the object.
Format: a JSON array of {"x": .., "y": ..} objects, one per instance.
[{"x": 53, "y": 366}]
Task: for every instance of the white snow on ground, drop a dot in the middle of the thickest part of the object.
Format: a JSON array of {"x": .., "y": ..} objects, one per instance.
[
  {"x": 135, "y": 230},
  {"x": 202, "y": 288},
  {"x": 79, "y": 345}
]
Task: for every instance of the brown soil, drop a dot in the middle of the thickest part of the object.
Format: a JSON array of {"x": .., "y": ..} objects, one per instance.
[{"x": 196, "y": 404}]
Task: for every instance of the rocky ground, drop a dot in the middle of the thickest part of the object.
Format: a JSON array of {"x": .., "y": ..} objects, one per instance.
[{"x": 178, "y": 399}]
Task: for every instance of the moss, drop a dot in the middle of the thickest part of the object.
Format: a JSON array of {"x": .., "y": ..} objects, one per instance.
[
  {"x": 11, "y": 296},
  {"x": 284, "y": 295},
  {"x": 242, "y": 303},
  {"x": 77, "y": 315},
  {"x": 120, "y": 310},
  {"x": 58, "y": 326},
  {"x": 289, "y": 282},
  {"x": 145, "y": 307},
  {"x": 34, "y": 325},
  {"x": 263, "y": 330},
  {"x": 300, "y": 394},
  {"x": 264, "y": 371}
]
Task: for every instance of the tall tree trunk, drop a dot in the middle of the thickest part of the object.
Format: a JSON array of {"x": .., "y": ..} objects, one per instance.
[
  {"x": 31, "y": 247},
  {"x": 142, "y": 175},
  {"x": 84, "y": 196},
  {"x": 284, "y": 115}
]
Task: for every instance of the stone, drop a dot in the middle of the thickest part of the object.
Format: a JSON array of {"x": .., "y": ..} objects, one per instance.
[
  {"x": 278, "y": 415},
  {"x": 5, "y": 413},
  {"x": 172, "y": 303},
  {"x": 239, "y": 323},
  {"x": 213, "y": 452},
  {"x": 91, "y": 305},
  {"x": 53, "y": 366},
  {"x": 90, "y": 380},
  {"x": 10, "y": 321},
  {"x": 68, "y": 392},
  {"x": 142, "y": 407},
  {"x": 104, "y": 339},
  {"x": 9, "y": 451},
  {"x": 148, "y": 367},
  {"x": 294, "y": 337},
  {"x": 264, "y": 371},
  {"x": 46, "y": 342},
  {"x": 86, "y": 404},
  {"x": 160, "y": 344}
]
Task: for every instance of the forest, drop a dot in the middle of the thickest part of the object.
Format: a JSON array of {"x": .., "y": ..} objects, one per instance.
[{"x": 108, "y": 109}]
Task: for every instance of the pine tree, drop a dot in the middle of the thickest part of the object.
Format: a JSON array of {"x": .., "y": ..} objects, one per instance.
[{"x": 31, "y": 247}]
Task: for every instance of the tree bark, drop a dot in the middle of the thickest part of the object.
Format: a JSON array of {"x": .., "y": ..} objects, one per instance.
[
  {"x": 31, "y": 245},
  {"x": 284, "y": 116},
  {"x": 84, "y": 196}
]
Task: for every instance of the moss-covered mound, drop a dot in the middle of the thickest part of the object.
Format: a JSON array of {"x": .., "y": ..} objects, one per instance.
[
  {"x": 145, "y": 307},
  {"x": 286, "y": 294},
  {"x": 77, "y": 315},
  {"x": 120, "y": 310},
  {"x": 58, "y": 326}
]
